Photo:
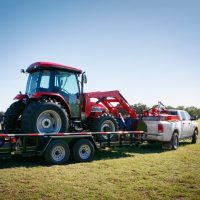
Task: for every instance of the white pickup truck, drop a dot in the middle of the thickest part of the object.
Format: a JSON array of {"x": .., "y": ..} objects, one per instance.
[{"x": 169, "y": 131}]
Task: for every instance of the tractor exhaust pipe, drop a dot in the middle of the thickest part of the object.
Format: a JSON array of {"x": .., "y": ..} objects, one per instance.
[{"x": 83, "y": 81}]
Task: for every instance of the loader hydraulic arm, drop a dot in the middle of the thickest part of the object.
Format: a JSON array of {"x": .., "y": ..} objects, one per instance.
[{"x": 109, "y": 97}]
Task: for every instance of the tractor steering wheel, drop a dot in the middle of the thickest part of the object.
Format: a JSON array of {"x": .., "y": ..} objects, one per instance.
[{"x": 65, "y": 91}]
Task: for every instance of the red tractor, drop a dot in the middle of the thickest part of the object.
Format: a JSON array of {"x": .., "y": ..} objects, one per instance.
[{"x": 54, "y": 102}]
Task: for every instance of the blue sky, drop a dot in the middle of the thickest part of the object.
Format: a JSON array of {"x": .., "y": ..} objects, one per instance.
[{"x": 147, "y": 49}]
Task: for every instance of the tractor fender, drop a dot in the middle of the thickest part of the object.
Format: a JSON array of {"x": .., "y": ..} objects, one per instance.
[
  {"x": 20, "y": 97},
  {"x": 52, "y": 95}
]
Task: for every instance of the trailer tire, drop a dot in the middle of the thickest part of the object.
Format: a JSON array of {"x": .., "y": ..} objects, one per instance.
[
  {"x": 174, "y": 141},
  {"x": 105, "y": 123},
  {"x": 57, "y": 153},
  {"x": 83, "y": 151},
  {"x": 44, "y": 117},
  {"x": 195, "y": 136},
  {"x": 12, "y": 115}
]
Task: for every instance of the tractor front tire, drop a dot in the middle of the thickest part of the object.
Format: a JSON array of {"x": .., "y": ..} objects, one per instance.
[
  {"x": 12, "y": 116},
  {"x": 105, "y": 123},
  {"x": 44, "y": 117}
]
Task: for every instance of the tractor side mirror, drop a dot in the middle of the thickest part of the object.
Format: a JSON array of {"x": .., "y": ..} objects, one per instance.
[
  {"x": 23, "y": 71},
  {"x": 84, "y": 78}
]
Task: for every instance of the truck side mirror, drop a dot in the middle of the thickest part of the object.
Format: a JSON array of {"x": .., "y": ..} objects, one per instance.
[{"x": 193, "y": 118}]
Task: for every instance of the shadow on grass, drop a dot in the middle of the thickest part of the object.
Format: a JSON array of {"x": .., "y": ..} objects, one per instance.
[
  {"x": 123, "y": 152},
  {"x": 102, "y": 154},
  {"x": 18, "y": 161}
]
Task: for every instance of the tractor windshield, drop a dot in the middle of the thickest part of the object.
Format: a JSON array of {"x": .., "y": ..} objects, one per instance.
[
  {"x": 32, "y": 83},
  {"x": 59, "y": 82},
  {"x": 62, "y": 82},
  {"x": 38, "y": 82}
]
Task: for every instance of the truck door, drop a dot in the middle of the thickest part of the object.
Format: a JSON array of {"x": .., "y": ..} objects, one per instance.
[
  {"x": 184, "y": 125},
  {"x": 189, "y": 125}
]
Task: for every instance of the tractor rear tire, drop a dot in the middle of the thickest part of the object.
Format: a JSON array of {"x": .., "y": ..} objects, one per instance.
[
  {"x": 105, "y": 123},
  {"x": 44, "y": 117},
  {"x": 12, "y": 116}
]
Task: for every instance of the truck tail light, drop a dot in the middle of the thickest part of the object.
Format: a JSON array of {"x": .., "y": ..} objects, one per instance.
[{"x": 160, "y": 128}]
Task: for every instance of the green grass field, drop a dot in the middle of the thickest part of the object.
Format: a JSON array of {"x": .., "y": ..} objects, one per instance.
[{"x": 120, "y": 173}]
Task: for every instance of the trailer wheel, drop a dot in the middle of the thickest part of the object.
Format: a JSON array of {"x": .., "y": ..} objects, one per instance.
[
  {"x": 57, "y": 153},
  {"x": 12, "y": 115},
  {"x": 106, "y": 123},
  {"x": 174, "y": 141},
  {"x": 195, "y": 136},
  {"x": 44, "y": 117},
  {"x": 83, "y": 151}
]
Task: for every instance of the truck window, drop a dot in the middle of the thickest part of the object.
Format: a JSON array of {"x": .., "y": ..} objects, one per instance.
[
  {"x": 183, "y": 115},
  {"x": 187, "y": 116},
  {"x": 173, "y": 112}
]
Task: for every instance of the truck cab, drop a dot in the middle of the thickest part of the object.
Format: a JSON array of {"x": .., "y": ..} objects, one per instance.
[{"x": 187, "y": 123}]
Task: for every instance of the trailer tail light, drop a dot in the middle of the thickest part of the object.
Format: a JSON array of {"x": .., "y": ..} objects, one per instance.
[
  {"x": 13, "y": 140},
  {"x": 160, "y": 128}
]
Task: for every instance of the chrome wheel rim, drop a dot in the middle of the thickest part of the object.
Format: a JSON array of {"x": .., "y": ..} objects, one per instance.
[
  {"x": 175, "y": 142},
  {"x": 58, "y": 153},
  {"x": 196, "y": 134},
  {"x": 84, "y": 152},
  {"x": 49, "y": 121}
]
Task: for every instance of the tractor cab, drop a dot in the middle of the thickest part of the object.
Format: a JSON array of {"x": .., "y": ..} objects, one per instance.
[
  {"x": 50, "y": 79},
  {"x": 51, "y": 103}
]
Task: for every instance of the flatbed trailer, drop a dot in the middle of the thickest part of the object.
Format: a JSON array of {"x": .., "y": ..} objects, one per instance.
[{"x": 59, "y": 147}]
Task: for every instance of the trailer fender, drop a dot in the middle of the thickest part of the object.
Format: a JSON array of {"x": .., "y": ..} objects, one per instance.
[{"x": 91, "y": 139}]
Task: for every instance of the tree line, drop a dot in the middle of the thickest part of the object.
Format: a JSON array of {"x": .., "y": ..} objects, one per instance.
[{"x": 192, "y": 110}]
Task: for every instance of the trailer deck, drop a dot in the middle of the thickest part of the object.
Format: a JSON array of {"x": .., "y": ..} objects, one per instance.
[{"x": 53, "y": 147}]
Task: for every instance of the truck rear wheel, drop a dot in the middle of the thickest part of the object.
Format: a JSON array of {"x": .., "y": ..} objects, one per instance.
[
  {"x": 174, "y": 141},
  {"x": 44, "y": 117},
  {"x": 12, "y": 115},
  {"x": 195, "y": 136},
  {"x": 57, "y": 153},
  {"x": 83, "y": 151},
  {"x": 105, "y": 123}
]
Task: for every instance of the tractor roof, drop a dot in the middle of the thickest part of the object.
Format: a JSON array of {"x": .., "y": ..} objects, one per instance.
[{"x": 49, "y": 65}]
